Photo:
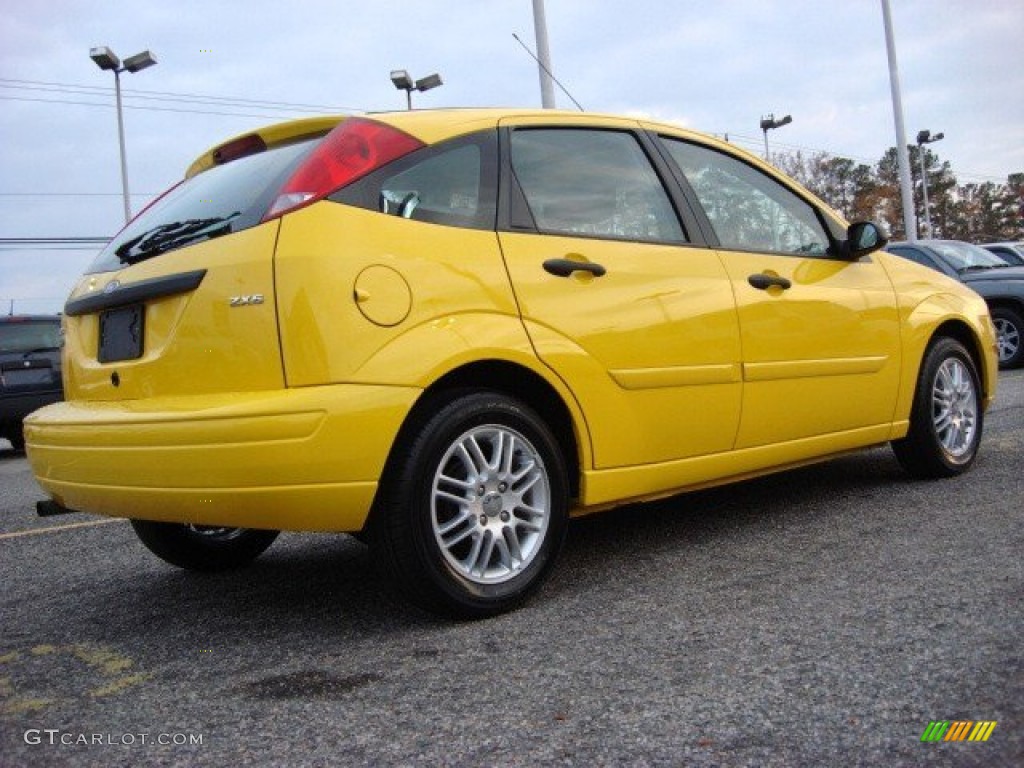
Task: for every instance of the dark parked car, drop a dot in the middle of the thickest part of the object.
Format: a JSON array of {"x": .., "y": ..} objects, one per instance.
[
  {"x": 1011, "y": 253},
  {"x": 30, "y": 373},
  {"x": 999, "y": 283}
]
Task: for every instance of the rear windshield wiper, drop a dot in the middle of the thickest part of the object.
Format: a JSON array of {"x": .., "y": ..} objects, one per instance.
[{"x": 173, "y": 235}]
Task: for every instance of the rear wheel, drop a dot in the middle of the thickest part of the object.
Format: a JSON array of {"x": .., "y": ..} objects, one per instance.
[
  {"x": 1009, "y": 329},
  {"x": 946, "y": 417},
  {"x": 475, "y": 512},
  {"x": 201, "y": 547}
]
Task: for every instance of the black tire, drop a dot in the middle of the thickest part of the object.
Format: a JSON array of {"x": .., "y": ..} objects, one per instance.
[
  {"x": 946, "y": 417},
  {"x": 203, "y": 548},
  {"x": 1010, "y": 335},
  {"x": 17, "y": 440},
  {"x": 473, "y": 536}
]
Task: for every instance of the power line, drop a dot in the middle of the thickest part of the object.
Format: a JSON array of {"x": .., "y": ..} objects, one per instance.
[
  {"x": 747, "y": 140},
  {"x": 282, "y": 106},
  {"x": 20, "y": 248},
  {"x": 76, "y": 194},
  {"x": 56, "y": 240},
  {"x": 204, "y": 102},
  {"x": 43, "y": 85},
  {"x": 12, "y": 244},
  {"x": 133, "y": 106}
]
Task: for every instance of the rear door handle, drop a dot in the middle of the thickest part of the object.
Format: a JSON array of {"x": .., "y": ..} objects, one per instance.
[
  {"x": 763, "y": 282},
  {"x": 565, "y": 267}
]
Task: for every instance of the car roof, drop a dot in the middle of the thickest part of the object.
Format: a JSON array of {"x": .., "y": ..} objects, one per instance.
[
  {"x": 433, "y": 125},
  {"x": 427, "y": 125}
]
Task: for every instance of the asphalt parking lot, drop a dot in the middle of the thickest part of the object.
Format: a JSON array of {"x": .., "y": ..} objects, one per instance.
[{"x": 821, "y": 617}]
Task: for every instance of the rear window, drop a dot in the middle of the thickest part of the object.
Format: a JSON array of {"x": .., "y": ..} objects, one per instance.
[
  {"x": 30, "y": 335},
  {"x": 225, "y": 199}
]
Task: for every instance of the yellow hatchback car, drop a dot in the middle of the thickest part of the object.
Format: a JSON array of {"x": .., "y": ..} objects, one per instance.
[{"x": 449, "y": 331}]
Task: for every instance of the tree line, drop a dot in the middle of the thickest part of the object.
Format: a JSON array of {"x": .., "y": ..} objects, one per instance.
[{"x": 979, "y": 213}]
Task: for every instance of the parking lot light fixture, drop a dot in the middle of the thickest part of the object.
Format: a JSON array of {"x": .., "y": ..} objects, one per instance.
[
  {"x": 925, "y": 137},
  {"x": 768, "y": 123},
  {"x": 106, "y": 59},
  {"x": 404, "y": 82}
]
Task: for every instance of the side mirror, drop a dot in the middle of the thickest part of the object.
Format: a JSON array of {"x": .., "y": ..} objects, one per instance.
[{"x": 862, "y": 238}]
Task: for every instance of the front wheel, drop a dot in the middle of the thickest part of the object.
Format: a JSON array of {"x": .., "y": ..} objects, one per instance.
[
  {"x": 202, "y": 547},
  {"x": 17, "y": 439},
  {"x": 946, "y": 416},
  {"x": 475, "y": 511}
]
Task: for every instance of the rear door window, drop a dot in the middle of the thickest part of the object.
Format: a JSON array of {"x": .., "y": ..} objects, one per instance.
[{"x": 590, "y": 182}]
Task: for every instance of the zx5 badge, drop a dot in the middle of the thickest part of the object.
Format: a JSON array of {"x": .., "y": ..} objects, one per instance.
[{"x": 247, "y": 301}]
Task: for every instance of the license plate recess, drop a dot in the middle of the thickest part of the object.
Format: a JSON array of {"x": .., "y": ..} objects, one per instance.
[{"x": 121, "y": 333}]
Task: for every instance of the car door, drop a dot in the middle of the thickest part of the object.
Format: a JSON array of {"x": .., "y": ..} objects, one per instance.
[
  {"x": 820, "y": 333},
  {"x": 640, "y": 324}
]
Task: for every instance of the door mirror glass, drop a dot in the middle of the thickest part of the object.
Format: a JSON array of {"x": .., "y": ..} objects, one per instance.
[{"x": 864, "y": 237}]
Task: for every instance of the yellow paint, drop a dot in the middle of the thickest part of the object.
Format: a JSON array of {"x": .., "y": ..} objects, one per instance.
[
  {"x": 107, "y": 661},
  {"x": 54, "y": 529},
  {"x": 676, "y": 373},
  {"x": 117, "y": 686},
  {"x": 100, "y": 660},
  {"x": 21, "y": 706}
]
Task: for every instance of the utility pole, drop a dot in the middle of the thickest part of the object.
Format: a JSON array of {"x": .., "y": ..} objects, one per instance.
[
  {"x": 906, "y": 186},
  {"x": 540, "y": 28}
]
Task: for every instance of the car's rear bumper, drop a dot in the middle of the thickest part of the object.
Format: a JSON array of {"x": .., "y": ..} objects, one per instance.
[{"x": 301, "y": 459}]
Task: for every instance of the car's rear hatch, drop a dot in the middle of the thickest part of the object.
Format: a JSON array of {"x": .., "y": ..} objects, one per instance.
[{"x": 181, "y": 301}]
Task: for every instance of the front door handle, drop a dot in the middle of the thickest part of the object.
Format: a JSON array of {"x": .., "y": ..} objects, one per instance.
[
  {"x": 763, "y": 282},
  {"x": 565, "y": 267}
]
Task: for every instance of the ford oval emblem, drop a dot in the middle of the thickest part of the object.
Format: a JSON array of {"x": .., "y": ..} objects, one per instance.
[{"x": 112, "y": 286}]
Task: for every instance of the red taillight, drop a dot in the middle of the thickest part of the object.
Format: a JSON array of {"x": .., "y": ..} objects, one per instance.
[{"x": 347, "y": 153}]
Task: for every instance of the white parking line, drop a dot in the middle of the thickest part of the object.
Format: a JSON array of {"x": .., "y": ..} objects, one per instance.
[{"x": 54, "y": 528}]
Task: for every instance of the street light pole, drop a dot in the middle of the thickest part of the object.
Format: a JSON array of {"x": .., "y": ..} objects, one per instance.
[
  {"x": 925, "y": 137},
  {"x": 120, "y": 138},
  {"x": 540, "y": 27},
  {"x": 902, "y": 156},
  {"x": 106, "y": 59},
  {"x": 768, "y": 123}
]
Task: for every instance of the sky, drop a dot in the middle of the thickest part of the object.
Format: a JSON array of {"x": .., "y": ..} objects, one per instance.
[{"x": 228, "y": 67}]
